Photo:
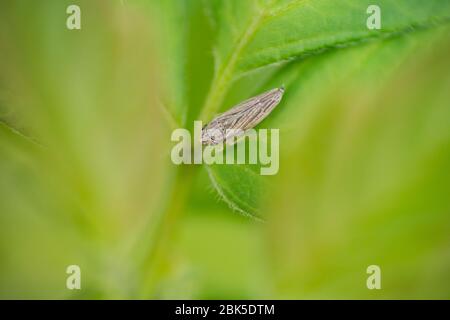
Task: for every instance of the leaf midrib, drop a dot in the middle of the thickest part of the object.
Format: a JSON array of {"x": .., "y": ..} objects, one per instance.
[
  {"x": 221, "y": 81},
  {"x": 223, "y": 78},
  {"x": 351, "y": 41}
]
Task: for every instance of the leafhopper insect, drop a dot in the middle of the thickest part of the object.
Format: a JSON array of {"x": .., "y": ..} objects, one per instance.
[{"x": 241, "y": 117}]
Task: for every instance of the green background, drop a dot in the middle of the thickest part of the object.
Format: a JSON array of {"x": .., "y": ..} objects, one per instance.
[{"x": 85, "y": 170}]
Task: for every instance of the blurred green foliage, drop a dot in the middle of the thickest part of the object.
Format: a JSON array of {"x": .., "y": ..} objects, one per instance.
[{"x": 85, "y": 170}]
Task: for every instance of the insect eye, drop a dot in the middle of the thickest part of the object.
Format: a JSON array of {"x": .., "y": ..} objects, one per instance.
[{"x": 216, "y": 135}]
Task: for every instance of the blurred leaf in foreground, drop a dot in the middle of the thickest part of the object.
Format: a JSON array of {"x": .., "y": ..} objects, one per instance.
[{"x": 92, "y": 173}]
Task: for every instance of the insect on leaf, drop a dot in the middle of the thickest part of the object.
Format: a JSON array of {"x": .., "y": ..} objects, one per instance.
[{"x": 244, "y": 116}]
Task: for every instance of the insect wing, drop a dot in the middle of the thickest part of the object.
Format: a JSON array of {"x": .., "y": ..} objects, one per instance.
[
  {"x": 250, "y": 112},
  {"x": 244, "y": 116}
]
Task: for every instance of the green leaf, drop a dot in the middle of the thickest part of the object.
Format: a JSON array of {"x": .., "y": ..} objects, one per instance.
[
  {"x": 366, "y": 177},
  {"x": 254, "y": 34},
  {"x": 239, "y": 186},
  {"x": 89, "y": 173},
  {"x": 306, "y": 37}
]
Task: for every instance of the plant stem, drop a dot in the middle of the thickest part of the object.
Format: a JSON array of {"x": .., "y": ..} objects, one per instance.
[
  {"x": 224, "y": 75},
  {"x": 154, "y": 260}
]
